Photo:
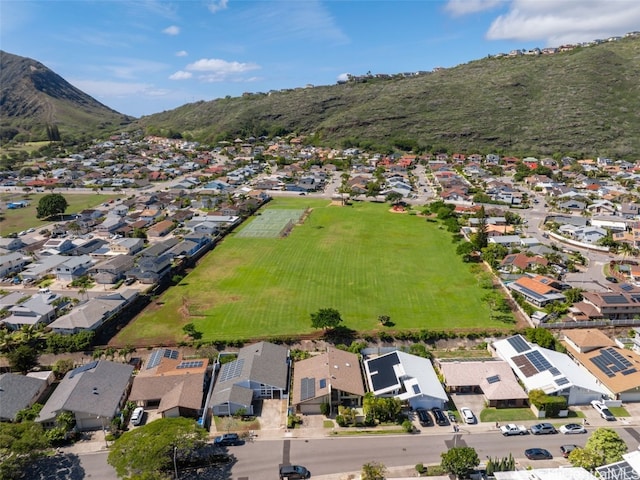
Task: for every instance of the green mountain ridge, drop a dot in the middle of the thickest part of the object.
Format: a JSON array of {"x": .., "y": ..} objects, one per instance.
[
  {"x": 583, "y": 102},
  {"x": 32, "y": 98}
]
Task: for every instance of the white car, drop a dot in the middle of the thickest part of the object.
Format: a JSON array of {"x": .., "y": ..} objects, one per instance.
[
  {"x": 602, "y": 409},
  {"x": 137, "y": 415},
  {"x": 468, "y": 415},
  {"x": 570, "y": 428}
]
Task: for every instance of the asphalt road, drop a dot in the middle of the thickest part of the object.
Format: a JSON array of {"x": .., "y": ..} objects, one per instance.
[{"x": 330, "y": 456}]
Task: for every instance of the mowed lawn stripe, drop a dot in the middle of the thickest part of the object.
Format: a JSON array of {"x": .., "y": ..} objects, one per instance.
[{"x": 361, "y": 259}]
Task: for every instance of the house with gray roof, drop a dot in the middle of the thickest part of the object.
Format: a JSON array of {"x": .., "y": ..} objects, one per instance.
[
  {"x": 92, "y": 314},
  {"x": 12, "y": 262},
  {"x": 37, "y": 310},
  {"x": 406, "y": 377},
  {"x": 261, "y": 370},
  {"x": 18, "y": 392},
  {"x": 94, "y": 393},
  {"x": 42, "y": 267},
  {"x": 112, "y": 269},
  {"x": 74, "y": 268}
]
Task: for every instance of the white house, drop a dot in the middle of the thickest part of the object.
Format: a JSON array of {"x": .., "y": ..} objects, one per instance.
[{"x": 406, "y": 377}]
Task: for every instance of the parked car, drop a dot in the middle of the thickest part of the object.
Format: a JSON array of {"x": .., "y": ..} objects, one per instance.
[
  {"x": 423, "y": 417},
  {"x": 294, "y": 472},
  {"x": 602, "y": 409},
  {"x": 543, "y": 429},
  {"x": 440, "y": 417},
  {"x": 537, "y": 454},
  {"x": 567, "y": 449},
  {"x": 468, "y": 415},
  {"x": 513, "y": 429},
  {"x": 130, "y": 281},
  {"x": 137, "y": 416},
  {"x": 228, "y": 439},
  {"x": 570, "y": 428},
  {"x": 611, "y": 279}
]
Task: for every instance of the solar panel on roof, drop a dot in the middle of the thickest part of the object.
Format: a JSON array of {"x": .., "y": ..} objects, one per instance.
[
  {"x": 554, "y": 371},
  {"x": 518, "y": 344},
  {"x": 154, "y": 359},
  {"x": 307, "y": 388},
  {"x": 538, "y": 361},
  {"x": 190, "y": 364},
  {"x": 630, "y": 371},
  {"x": 416, "y": 389},
  {"x": 493, "y": 379},
  {"x": 614, "y": 299},
  {"x": 172, "y": 354},
  {"x": 83, "y": 368},
  {"x": 626, "y": 287},
  {"x": 231, "y": 370},
  {"x": 561, "y": 381}
]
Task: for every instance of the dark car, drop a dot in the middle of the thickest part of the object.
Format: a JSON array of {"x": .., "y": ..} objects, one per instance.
[
  {"x": 294, "y": 472},
  {"x": 228, "y": 439},
  {"x": 440, "y": 417},
  {"x": 567, "y": 449},
  {"x": 538, "y": 454},
  {"x": 543, "y": 429},
  {"x": 612, "y": 279},
  {"x": 423, "y": 417}
]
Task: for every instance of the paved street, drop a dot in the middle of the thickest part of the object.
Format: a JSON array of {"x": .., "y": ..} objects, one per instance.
[{"x": 335, "y": 457}]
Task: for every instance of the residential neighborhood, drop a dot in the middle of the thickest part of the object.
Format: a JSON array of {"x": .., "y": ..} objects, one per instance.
[{"x": 560, "y": 244}]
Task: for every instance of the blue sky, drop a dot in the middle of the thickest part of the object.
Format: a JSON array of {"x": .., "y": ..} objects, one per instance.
[{"x": 143, "y": 57}]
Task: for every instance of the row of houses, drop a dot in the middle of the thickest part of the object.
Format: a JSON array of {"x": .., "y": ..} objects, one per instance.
[{"x": 594, "y": 368}]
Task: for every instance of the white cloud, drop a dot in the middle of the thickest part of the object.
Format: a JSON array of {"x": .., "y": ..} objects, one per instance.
[
  {"x": 216, "y": 6},
  {"x": 218, "y": 70},
  {"x": 172, "y": 30},
  {"x": 343, "y": 77},
  {"x": 132, "y": 68},
  {"x": 180, "y": 75},
  {"x": 181, "y": 53},
  {"x": 465, "y": 7},
  {"x": 557, "y": 22}
]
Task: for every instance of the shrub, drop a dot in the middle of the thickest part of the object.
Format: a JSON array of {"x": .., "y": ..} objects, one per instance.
[
  {"x": 420, "y": 468},
  {"x": 340, "y": 420},
  {"x": 407, "y": 426},
  {"x": 325, "y": 408}
]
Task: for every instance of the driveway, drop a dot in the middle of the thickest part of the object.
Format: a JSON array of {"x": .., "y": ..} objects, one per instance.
[{"x": 473, "y": 401}]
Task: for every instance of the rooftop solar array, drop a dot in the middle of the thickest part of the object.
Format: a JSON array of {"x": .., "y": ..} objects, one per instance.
[
  {"x": 231, "y": 370},
  {"x": 561, "y": 381},
  {"x": 416, "y": 388},
  {"x": 307, "y": 388},
  {"x": 538, "y": 361},
  {"x": 382, "y": 373},
  {"x": 83, "y": 368},
  {"x": 554, "y": 371},
  {"x": 493, "y": 379},
  {"x": 615, "y": 299},
  {"x": 191, "y": 364},
  {"x": 611, "y": 362},
  {"x": 159, "y": 354},
  {"x": 518, "y": 344}
]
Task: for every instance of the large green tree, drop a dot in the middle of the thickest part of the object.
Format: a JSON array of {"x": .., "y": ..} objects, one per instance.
[
  {"x": 50, "y": 205},
  {"x": 148, "y": 451},
  {"x": 459, "y": 460},
  {"x": 326, "y": 318},
  {"x": 608, "y": 444},
  {"x": 23, "y": 358},
  {"x": 20, "y": 444}
]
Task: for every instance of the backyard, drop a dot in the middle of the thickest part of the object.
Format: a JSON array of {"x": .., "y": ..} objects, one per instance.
[{"x": 361, "y": 260}]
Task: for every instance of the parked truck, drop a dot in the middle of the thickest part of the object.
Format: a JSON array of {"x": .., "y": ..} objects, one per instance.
[{"x": 512, "y": 429}]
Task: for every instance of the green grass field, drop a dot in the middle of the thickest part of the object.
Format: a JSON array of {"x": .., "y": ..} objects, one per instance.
[
  {"x": 361, "y": 259},
  {"x": 24, "y": 218}
]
